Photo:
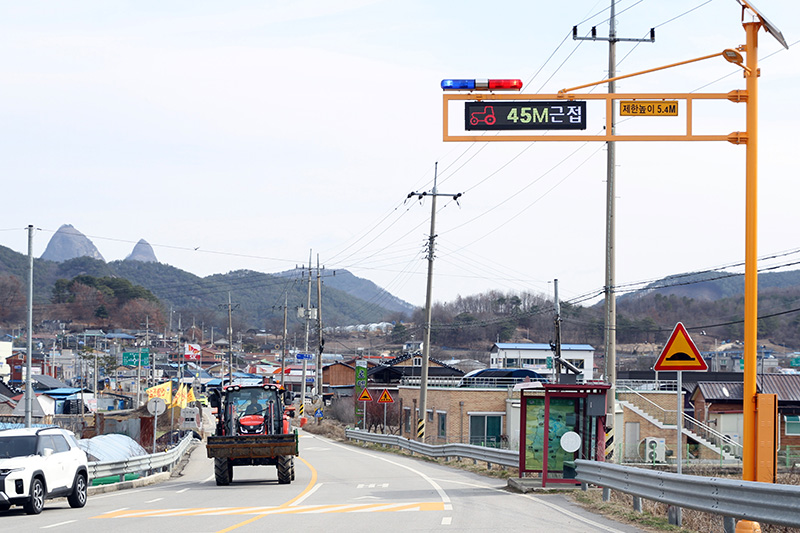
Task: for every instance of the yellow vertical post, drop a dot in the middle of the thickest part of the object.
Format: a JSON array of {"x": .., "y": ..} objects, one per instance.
[{"x": 751, "y": 257}]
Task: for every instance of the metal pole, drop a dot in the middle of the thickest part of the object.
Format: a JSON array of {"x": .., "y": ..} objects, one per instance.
[
  {"x": 29, "y": 343},
  {"x": 679, "y": 451},
  {"x": 320, "y": 340},
  {"x": 679, "y": 422},
  {"x": 750, "y": 428},
  {"x": 230, "y": 341},
  {"x": 305, "y": 349},
  {"x": 426, "y": 347},
  {"x": 138, "y": 378},
  {"x": 557, "y": 361}
]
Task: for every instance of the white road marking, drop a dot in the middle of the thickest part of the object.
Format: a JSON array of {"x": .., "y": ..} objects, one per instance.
[
  {"x": 306, "y": 495},
  {"x": 447, "y": 520},
  {"x": 58, "y": 524},
  {"x": 153, "y": 501},
  {"x": 183, "y": 490},
  {"x": 534, "y": 498},
  {"x": 449, "y": 506},
  {"x": 442, "y": 494}
]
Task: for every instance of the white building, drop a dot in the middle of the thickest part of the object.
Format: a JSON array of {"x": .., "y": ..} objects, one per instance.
[{"x": 534, "y": 356}]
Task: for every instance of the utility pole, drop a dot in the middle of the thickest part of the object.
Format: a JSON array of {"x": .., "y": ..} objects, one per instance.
[
  {"x": 320, "y": 339},
  {"x": 29, "y": 342},
  {"x": 426, "y": 346},
  {"x": 557, "y": 321},
  {"x": 147, "y": 346},
  {"x": 285, "y": 350},
  {"x": 307, "y": 316},
  {"x": 230, "y": 340},
  {"x": 610, "y": 340}
]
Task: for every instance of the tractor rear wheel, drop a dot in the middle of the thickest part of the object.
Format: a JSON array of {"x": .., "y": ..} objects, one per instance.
[
  {"x": 285, "y": 466},
  {"x": 223, "y": 470}
]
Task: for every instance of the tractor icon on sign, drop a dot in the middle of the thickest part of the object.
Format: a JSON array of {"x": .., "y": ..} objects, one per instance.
[{"x": 486, "y": 116}]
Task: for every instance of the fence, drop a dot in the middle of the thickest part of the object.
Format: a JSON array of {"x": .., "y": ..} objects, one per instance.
[
  {"x": 733, "y": 499},
  {"x": 477, "y": 453},
  {"x": 144, "y": 463}
]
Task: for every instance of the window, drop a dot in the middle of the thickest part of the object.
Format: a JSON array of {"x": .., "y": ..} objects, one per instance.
[
  {"x": 60, "y": 444},
  {"x": 430, "y": 415},
  {"x": 407, "y": 419},
  {"x": 417, "y": 361},
  {"x": 792, "y": 424},
  {"x": 485, "y": 429},
  {"x": 442, "y": 425}
]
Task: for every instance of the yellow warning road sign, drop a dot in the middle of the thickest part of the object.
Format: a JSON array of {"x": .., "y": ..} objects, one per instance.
[
  {"x": 385, "y": 397},
  {"x": 680, "y": 353},
  {"x": 365, "y": 396}
]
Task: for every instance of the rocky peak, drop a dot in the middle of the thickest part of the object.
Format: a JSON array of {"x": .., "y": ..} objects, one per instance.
[
  {"x": 142, "y": 252},
  {"x": 69, "y": 243}
]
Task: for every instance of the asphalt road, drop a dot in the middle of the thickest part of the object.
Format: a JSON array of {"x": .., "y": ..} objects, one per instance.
[{"x": 338, "y": 488}]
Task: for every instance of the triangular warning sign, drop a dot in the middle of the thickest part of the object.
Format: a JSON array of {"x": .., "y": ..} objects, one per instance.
[
  {"x": 365, "y": 396},
  {"x": 385, "y": 397},
  {"x": 680, "y": 353}
]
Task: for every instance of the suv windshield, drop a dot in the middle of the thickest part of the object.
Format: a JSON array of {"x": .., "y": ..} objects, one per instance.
[{"x": 18, "y": 446}]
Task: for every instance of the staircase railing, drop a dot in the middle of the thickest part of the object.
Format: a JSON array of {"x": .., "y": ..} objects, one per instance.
[{"x": 669, "y": 417}]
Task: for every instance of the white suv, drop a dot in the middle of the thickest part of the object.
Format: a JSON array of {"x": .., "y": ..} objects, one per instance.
[{"x": 40, "y": 463}]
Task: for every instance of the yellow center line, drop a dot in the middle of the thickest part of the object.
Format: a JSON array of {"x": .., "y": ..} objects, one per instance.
[{"x": 308, "y": 488}]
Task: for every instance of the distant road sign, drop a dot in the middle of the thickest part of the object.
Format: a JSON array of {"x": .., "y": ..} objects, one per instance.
[
  {"x": 795, "y": 361},
  {"x": 648, "y": 108},
  {"x": 680, "y": 353},
  {"x": 385, "y": 397},
  {"x": 304, "y": 356},
  {"x": 365, "y": 396},
  {"x": 132, "y": 358}
]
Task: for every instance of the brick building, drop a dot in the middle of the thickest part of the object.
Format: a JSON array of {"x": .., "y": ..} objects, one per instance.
[{"x": 482, "y": 416}]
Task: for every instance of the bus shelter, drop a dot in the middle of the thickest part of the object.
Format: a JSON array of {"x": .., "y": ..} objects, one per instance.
[{"x": 558, "y": 424}]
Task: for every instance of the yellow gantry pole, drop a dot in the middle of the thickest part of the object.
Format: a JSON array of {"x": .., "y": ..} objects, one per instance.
[{"x": 750, "y": 443}]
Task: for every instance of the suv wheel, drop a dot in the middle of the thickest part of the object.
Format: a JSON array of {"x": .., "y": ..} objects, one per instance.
[
  {"x": 77, "y": 497},
  {"x": 35, "y": 503}
]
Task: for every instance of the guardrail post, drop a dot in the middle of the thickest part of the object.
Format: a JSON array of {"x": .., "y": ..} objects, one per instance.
[
  {"x": 584, "y": 487},
  {"x": 674, "y": 515},
  {"x": 637, "y": 504},
  {"x": 606, "y": 494},
  {"x": 729, "y": 524}
]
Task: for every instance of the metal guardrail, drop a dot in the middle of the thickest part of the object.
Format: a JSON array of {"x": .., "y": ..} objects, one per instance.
[
  {"x": 142, "y": 463},
  {"x": 746, "y": 500},
  {"x": 478, "y": 453}
]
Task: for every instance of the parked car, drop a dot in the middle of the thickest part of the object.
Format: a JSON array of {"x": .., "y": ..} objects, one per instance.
[{"x": 41, "y": 463}]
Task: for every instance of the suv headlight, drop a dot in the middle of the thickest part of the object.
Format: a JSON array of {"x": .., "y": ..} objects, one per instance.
[{"x": 7, "y": 471}]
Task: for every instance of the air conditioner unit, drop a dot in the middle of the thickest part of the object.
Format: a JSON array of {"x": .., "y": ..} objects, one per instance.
[
  {"x": 727, "y": 447},
  {"x": 655, "y": 450}
]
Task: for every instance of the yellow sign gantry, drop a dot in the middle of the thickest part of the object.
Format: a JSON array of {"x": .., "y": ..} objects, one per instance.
[{"x": 758, "y": 461}]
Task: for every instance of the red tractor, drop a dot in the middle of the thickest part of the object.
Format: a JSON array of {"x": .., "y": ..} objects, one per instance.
[{"x": 252, "y": 429}]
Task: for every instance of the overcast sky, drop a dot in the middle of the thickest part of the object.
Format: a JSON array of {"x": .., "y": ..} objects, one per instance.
[{"x": 242, "y": 135}]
